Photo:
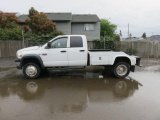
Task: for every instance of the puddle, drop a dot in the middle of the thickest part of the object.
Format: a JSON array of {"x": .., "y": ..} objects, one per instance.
[{"x": 87, "y": 94}]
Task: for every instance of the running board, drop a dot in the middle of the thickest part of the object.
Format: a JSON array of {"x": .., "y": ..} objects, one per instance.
[{"x": 77, "y": 67}]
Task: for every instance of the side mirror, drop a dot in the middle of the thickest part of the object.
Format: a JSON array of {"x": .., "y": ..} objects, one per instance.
[{"x": 49, "y": 45}]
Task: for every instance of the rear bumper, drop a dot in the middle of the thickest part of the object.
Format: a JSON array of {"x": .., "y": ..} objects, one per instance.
[
  {"x": 18, "y": 63},
  {"x": 138, "y": 61}
]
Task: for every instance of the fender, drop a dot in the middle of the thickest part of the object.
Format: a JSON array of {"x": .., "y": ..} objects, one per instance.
[
  {"x": 113, "y": 58},
  {"x": 29, "y": 56}
]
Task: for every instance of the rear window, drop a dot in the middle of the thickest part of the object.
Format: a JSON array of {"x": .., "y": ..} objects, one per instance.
[{"x": 76, "y": 41}]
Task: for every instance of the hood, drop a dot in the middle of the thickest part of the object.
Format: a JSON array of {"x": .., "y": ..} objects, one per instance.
[{"x": 29, "y": 48}]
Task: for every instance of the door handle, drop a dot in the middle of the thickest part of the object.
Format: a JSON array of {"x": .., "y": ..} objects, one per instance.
[
  {"x": 63, "y": 51},
  {"x": 81, "y": 50}
]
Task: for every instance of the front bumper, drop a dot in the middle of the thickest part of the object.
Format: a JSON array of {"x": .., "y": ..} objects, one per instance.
[{"x": 18, "y": 63}]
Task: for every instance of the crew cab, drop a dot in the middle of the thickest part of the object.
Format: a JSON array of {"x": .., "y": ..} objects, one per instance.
[{"x": 71, "y": 51}]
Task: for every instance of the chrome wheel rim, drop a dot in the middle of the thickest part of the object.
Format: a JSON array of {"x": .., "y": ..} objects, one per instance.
[
  {"x": 122, "y": 70},
  {"x": 31, "y": 71}
]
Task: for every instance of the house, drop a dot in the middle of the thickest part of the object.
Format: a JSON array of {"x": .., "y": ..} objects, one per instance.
[
  {"x": 131, "y": 39},
  {"x": 154, "y": 38},
  {"x": 69, "y": 23}
]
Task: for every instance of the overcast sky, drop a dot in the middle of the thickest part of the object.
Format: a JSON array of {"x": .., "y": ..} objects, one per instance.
[{"x": 142, "y": 15}]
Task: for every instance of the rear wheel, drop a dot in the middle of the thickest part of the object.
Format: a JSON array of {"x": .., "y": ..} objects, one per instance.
[
  {"x": 31, "y": 70},
  {"x": 121, "y": 70}
]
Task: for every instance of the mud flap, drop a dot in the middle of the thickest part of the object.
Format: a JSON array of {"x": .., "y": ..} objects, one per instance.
[
  {"x": 132, "y": 68},
  {"x": 138, "y": 59}
]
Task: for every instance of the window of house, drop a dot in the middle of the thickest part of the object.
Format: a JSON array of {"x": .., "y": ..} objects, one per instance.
[
  {"x": 76, "y": 41},
  {"x": 88, "y": 27},
  {"x": 59, "y": 43}
]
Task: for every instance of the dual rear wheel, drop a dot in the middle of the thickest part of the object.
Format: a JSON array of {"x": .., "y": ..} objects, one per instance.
[{"x": 119, "y": 70}]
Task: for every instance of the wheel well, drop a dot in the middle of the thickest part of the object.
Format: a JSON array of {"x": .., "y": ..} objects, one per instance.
[
  {"x": 33, "y": 60},
  {"x": 122, "y": 59}
]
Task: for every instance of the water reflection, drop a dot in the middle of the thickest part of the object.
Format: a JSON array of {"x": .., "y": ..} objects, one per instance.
[{"x": 69, "y": 92}]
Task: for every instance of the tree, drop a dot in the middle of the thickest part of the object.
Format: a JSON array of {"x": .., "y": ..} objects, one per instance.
[
  {"x": 107, "y": 28},
  {"x": 9, "y": 28},
  {"x": 39, "y": 23},
  {"x": 144, "y": 35},
  {"x": 8, "y": 20}
]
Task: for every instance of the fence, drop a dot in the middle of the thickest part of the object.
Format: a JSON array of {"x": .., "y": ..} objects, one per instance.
[
  {"x": 146, "y": 49},
  {"x": 9, "y": 48}
]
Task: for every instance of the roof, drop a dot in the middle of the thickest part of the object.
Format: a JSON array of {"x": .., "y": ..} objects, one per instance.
[
  {"x": 59, "y": 16},
  {"x": 51, "y": 16},
  {"x": 154, "y": 38},
  {"x": 85, "y": 18},
  {"x": 66, "y": 17},
  {"x": 22, "y": 18}
]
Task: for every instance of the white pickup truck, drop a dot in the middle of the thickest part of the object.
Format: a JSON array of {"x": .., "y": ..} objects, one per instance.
[{"x": 71, "y": 51}]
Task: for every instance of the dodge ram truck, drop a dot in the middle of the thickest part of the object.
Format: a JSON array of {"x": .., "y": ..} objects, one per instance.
[{"x": 71, "y": 51}]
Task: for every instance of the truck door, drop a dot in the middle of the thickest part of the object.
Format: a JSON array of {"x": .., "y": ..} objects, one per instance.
[
  {"x": 57, "y": 55},
  {"x": 77, "y": 52}
]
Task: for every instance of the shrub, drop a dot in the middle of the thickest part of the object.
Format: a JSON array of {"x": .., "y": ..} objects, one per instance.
[
  {"x": 131, "y": 51},
  {"x": 109, "y": 44},
  {"x": 35, "y": 39},
  {"x": 11, "y": 34}
]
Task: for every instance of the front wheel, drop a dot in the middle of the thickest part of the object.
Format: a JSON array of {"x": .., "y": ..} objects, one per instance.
[
  {"x": 31, "y": 70},
  {"x": 121, "y": 70}
]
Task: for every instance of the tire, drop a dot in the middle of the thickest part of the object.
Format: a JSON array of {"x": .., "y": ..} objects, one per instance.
[
  {"x": 121, "y": 70},
  {"x": 31, "y": 71}
]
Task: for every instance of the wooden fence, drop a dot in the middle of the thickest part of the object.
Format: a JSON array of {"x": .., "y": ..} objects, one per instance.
[
  {"x": 146, "y": 49},
  {"x": 9, "y": 48}
]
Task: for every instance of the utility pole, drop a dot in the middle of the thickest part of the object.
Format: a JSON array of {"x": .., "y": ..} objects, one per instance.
[
  {"x": 104, "y": 40},
  {"x": 23, "y": 39},
  {"x": 128, "y": 30}
]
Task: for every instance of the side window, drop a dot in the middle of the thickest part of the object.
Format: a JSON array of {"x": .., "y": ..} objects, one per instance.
[
  {"x": 76, "y": 41},
  {"x": 59, "y": 43}
]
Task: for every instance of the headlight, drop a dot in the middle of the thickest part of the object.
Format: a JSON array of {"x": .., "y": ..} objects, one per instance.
[{"x": 19, "y": 56}]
